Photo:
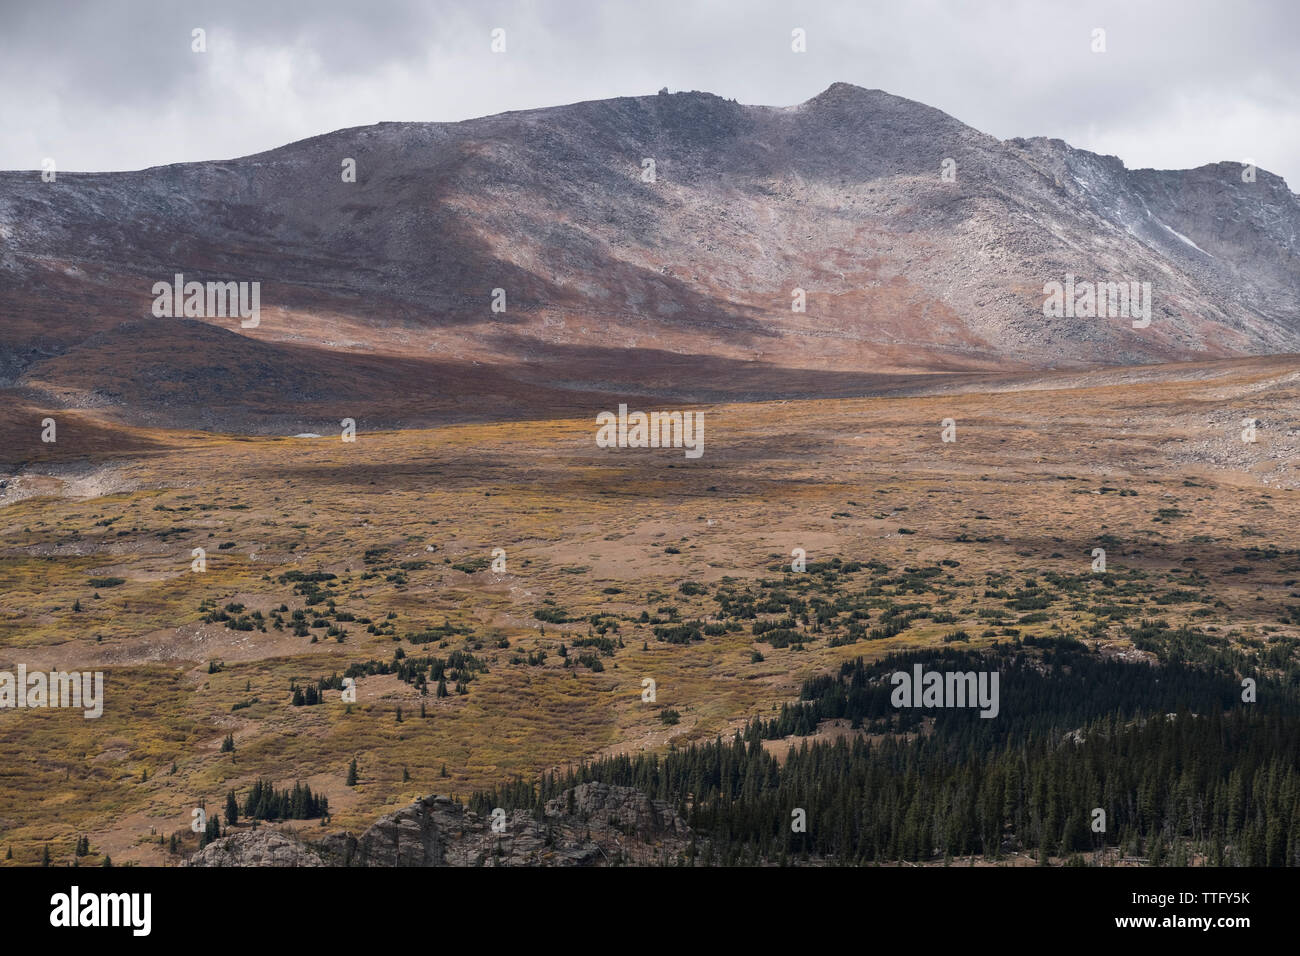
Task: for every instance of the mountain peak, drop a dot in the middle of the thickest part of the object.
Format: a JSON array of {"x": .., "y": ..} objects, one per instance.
[
  {"x": 848, "y": 93},
  {"x": 840, "y": 88}
]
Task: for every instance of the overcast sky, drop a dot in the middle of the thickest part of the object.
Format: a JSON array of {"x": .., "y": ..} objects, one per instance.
[{"x": 111, "y": 84}]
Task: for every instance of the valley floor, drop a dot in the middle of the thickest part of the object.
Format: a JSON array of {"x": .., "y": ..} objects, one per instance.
[{"x": 320, "y": 555}]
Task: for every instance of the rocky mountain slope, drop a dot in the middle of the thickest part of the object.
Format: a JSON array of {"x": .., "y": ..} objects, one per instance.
[
  {"x": 591, "y": 825},
  {"x": 679, "y": 287}
]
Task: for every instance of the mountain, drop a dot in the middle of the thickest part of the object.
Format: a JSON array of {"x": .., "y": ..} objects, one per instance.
[
  {"x": 592, "y": 824},
  {"x": 376, "y": 295}
]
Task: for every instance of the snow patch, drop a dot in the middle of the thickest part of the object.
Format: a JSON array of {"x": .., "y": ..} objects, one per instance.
[
  {"x": 1169, "y": 229},
  {"x": 1183, "y": 238}
]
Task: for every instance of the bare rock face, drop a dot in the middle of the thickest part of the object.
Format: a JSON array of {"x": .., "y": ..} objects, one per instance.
[
  {"x": 591, "y": 825},
  {"x": 260, "y": 847},
  {"x": 622, "y": 807},
  {"x": 921, "y": 245},
  {"x": 419, "y": 835}
]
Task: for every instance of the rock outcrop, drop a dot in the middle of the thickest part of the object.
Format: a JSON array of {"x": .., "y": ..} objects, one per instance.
[
  {"x": 591, "y": 825},
  {"x": 261, "y": 847}
]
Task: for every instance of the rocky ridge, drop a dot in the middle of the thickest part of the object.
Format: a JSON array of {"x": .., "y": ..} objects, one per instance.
[{"x": 591, "y": 825}]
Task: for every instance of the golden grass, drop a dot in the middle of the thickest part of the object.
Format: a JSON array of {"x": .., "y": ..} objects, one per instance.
[{"x": 839, "y": 479}]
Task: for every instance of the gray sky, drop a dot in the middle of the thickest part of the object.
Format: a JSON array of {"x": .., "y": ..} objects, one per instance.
[{"x": 110, "y": 84}]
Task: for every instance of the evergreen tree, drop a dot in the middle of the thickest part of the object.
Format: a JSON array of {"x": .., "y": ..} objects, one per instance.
[{"x": 1169, "y": 781}]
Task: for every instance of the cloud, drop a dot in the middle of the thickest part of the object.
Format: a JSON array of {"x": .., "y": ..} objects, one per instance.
[{"x": 114, "y": 85}]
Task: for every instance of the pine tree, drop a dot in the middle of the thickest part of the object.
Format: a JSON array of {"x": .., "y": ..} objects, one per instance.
[
  {"x": 211, "y": 831},
  {"x": 352, "y": 773}
]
